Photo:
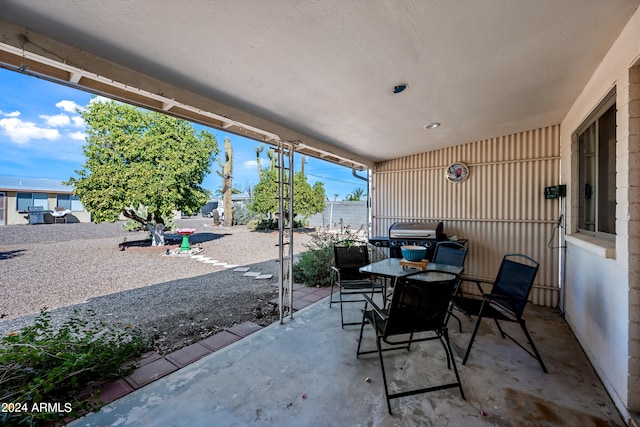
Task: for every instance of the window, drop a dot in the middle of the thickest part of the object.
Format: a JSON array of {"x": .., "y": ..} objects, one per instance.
[
  {"x": 597, "y": 171},
  {"x": 70, "y": 202},
  {"x": 31, "y": 199}
]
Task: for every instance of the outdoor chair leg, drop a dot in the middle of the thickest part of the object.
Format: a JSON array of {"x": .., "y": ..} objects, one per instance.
[
  {"x": 444, "y": 346},
  {"x": 500, "y": 328},
  {"x": 341, "y": 311},
  {"x": 449, "y": 352},
  {"x": 450, "y": 315},
  {"x": 331, "y": 294},
  {"x": 364, "y": 320},
  {"x": 473, "y": 337},
  {"x": 384, "y": 375},
  {"x": 533, "y": 347}
]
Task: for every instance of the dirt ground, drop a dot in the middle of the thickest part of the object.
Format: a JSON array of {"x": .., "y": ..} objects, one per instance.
[{"x": 102, "y": 269}]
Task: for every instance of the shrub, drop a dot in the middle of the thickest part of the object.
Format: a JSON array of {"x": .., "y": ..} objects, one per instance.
[
  {"x": 242, "y": 215},
  {"x": 43, "y": 365},
  {"x": 272, "y": 224},
  {"x": 313, "y": 267},
  {"x": 253, "y": 224},
  {"x": 267, "y": 224}
]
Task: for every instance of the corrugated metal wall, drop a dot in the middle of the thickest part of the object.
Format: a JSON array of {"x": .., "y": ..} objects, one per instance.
[{"x": 500, "y": 208}]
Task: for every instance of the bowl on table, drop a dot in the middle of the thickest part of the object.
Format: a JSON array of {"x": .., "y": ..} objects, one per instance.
[{"x": 413, "y": 252}]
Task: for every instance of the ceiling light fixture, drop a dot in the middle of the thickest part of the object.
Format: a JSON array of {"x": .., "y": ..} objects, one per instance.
[
  {"x": 400, "y": 88},
  {"x": 432, "y": 125}
]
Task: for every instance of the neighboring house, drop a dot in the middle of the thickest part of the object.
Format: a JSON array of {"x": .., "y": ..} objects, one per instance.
[{"x": 17, "y": 194}]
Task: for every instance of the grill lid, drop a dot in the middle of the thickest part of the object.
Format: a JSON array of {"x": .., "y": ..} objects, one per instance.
[{"x": 416, "y": 230}]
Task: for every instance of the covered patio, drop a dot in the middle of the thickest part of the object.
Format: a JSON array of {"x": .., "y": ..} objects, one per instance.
[
  {"x": 306, "y": 373},
  {"x": 400, "y": 91}
]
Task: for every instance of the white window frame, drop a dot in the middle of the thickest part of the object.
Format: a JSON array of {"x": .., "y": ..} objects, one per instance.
[
  {"x": 37, "y": 199},
  {"x": 69, "y": 201},
  {"x": 593, "y": 122}
]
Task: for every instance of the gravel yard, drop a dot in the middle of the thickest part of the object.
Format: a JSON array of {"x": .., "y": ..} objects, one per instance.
[{"x": 176, "y": 298}]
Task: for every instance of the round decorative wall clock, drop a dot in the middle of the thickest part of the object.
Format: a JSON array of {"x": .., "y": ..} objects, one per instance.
[{"x": 457, "y": 172}]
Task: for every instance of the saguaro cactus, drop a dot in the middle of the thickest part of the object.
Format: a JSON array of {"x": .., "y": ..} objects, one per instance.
[
  {"x": 273, "y": 158},
  {"x": 259, "y": 150},
  {"x": 227, "y": 187}
]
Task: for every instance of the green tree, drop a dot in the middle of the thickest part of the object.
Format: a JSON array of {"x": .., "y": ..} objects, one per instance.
[
  {"x": 307, "y": 200},
  {"x": 356, "y": 195},
  {"x": 137, "y": 158}
]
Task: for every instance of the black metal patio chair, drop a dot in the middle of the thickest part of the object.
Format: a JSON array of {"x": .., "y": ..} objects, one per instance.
[
  {"x": 505, "y": 302},
  {"x": 416, "y": 313},
  {"x": 348, "y": 257},
  {"x": 452, "y": 253}
]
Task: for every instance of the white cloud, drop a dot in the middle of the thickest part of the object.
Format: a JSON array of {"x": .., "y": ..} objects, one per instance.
[
  {"x": 77, "y": 121},
  {"x": 22, "y": 132},
  {"x": 12, "y": 114},
  {"x": 78, "y": 136},
  {"x": 59, "y": 120},
  {"x": 68, "y": 106},
  {"x": 250, "y": 164}
]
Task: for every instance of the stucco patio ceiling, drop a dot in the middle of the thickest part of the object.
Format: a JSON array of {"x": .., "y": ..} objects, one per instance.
[{"x": 322, "y": 72}]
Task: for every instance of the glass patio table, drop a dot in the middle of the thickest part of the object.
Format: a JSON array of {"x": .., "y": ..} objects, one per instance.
[{"x": 390, "y": 268}]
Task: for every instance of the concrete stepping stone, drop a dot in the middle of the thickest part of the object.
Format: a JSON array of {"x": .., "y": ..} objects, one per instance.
[
  {"x": 251, "y": 274},
  {"x": 242, "y": 269},
  {"x": 211, "y": 261},
  {"x": 264, "y": 276},
  {"x": 231, "y": 266}
]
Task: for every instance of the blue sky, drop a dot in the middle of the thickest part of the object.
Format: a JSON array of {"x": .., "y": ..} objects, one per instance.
[{"x": 41, "y": 136}]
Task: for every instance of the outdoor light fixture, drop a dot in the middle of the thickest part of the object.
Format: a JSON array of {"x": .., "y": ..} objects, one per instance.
[
  {"x": 432, "y": 125},
  {"x": 399, "y": 88}
]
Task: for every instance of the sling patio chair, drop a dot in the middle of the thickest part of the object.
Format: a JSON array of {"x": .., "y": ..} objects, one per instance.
[
  {"x": 505, "y": 302},
  {"x": 348, "y": 257},
  {"x": 417, "y": 313},
  {"x": 452, "y": 253}
]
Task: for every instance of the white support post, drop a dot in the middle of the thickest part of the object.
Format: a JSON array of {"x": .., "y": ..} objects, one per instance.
[{"x": 285, "y": 228}]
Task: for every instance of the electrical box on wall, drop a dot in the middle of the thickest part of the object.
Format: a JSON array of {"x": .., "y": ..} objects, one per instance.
[{"x": 555, "y": 192}]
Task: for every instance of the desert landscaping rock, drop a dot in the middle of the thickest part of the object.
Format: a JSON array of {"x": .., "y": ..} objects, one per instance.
[{"x": 107, "y": 270}]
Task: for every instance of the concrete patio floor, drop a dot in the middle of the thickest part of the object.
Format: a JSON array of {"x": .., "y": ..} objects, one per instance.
[{"x": 305, "y": 373}]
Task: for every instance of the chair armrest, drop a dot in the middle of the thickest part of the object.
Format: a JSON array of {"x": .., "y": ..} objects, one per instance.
[
  {"x": 335, "y": 272},
  {"x": 375, "y": 307},
  {"x": 478, "y": 281}
]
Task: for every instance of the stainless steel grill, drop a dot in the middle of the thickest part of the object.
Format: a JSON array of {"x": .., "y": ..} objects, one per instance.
[
  {"x": 410, "y": 233},
  {"x": 430, "y": 231}
]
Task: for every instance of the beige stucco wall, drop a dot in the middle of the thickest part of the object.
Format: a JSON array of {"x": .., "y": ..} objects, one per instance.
[
  {"x": 602, "y": 289},
  {"x": 500, "y": 208},
  {"x": 16, "y": 218}
]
